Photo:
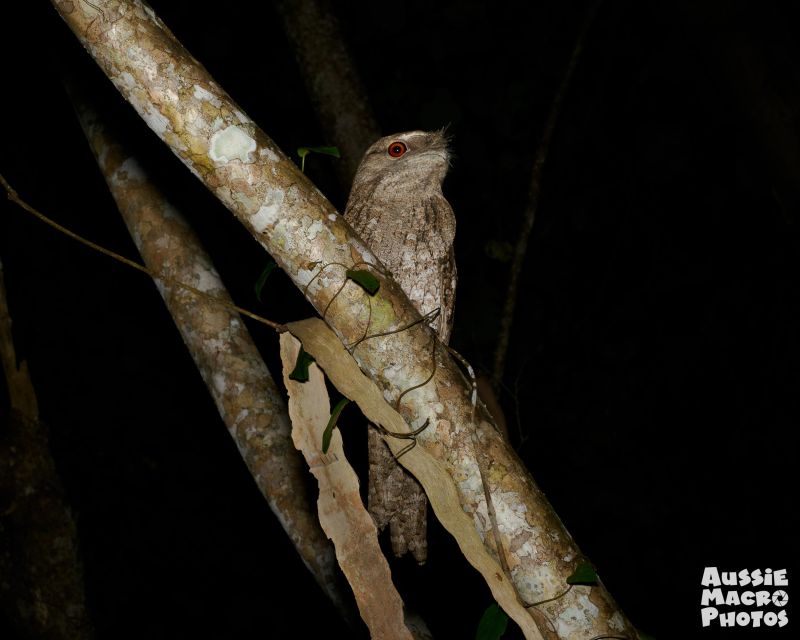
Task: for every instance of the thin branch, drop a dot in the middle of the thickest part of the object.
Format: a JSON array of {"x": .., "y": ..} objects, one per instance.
[
  {"x": 245, "y": 393},
  {"x": 529, "y": 215},
  {"x": 14, "y": 197}
]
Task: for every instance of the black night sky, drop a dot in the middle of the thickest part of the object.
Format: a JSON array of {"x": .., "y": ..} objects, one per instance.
[{"x": 654, "y": 357}]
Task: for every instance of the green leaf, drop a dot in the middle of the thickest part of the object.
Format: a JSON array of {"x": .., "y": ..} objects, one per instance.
[
  {"x": 584, "y": 574},
  {"x": 364, "y": 279},
  {"x": 263, "y": 278},
  {"x": 326, "y": 151},
  {"x": 493, "y": 623},
  {"x": 326, "y": 435},
  {"x": 300, "y": 371}
]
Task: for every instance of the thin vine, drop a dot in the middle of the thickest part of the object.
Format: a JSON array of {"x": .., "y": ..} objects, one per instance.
[{"x": 14, "y": 197}]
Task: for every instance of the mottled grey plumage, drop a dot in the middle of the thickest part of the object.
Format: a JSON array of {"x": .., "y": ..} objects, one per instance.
[{"x": 396, "y": 205}]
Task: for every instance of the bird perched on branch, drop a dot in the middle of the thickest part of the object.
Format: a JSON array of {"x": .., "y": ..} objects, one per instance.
[{"x": 396, "y": 205}]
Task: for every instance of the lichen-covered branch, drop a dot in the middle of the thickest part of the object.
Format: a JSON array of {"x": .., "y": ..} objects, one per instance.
[
  {"x": 245, "y": 393},
  {"x": 238, "y": 162},
  {"x": 41, "y": 574}
]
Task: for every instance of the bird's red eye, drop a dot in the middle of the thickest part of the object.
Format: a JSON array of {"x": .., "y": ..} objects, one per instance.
[{"x": 397, "y": 149}]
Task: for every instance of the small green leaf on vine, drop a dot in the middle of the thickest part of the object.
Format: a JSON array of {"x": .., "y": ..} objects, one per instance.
[
  {"x": 365, "y": 280},
  {"x": 300, "y": 371},
  {"x": 262, "y": 279},
  {"x": 326, "y": 151},
  {"x": 326, "y": 435},
  {"x": 493, "y": 623},
  {"x": 584, "y": 574}
]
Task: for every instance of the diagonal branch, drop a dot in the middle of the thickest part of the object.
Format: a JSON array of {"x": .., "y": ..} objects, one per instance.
[
  {"x": 283, "y": 211},
  {"x": 243, "y": 390}
]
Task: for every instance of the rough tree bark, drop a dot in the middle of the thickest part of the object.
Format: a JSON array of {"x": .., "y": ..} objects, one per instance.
[
  {"x": 395, "y": 500},
  {"x": 246, "y": 396},
  {"x": 238, "y": 162}
]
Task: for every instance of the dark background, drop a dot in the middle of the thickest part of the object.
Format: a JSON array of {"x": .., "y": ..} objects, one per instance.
[{"x": 654, "y": 356}]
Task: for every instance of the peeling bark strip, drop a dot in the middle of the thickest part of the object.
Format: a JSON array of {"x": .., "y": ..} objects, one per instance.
[
  {"x": 304, "y": 234},
  {"x": 245, "y": 393},
  {"x": 341, "y": 512},
  {"x": 343, "y": 372}
]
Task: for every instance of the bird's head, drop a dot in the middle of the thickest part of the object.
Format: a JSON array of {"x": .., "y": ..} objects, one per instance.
[{"x": 409, "y": 158}]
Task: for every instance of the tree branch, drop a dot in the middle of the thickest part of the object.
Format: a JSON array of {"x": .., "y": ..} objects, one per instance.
[
  {"x": 243, "y": 390},
  {"x": 238, "y": 162},
  {"x": 529, "y": 214}
]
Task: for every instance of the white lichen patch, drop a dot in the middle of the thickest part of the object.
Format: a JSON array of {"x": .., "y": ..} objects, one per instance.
[
  {"x": 129, "y": 171},
  {"x": 303, "y": 276},
  {"x": 231, "y": 143},
  {"x": 154, "y": 119},
  {"x": 580, "y": 615},
  {"x": 332, "y": 217},
  {"x": 269, "y": 154},
  {"x": 424, "y": 396},
  {"x": 510, "y": 512},
  {"x": 537, "y": 581},
  {"x": 168, "y": 69},
  {"x": 126, "y": 81},
  {"x": 242, "y": 117},
  {"x": 315, "y": 229},
  {"x": 206, "y": 278},
  {"x": 590, "y": 609},
  {"x": 203, "y": 94},
  {"x": 527, "y": 549},
  {"x": 391, "y": 371},
  {"x": 215, "y": 345},
  {"x": 150, "y": 13},
  {"x": 467, "y": 478},
  {"x": 365, "y": 252},
  {"x": 269, "y": 212},
  {"x": 219, "y": 382},
  {"x": 142, "y": 60},
  {"x": 616, "y": 622}
]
